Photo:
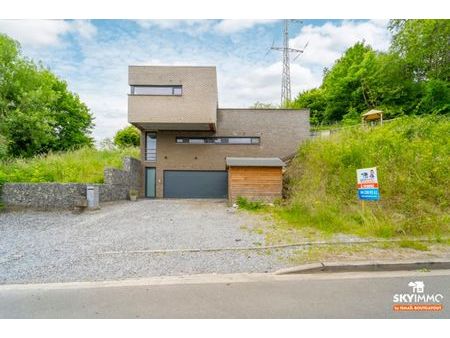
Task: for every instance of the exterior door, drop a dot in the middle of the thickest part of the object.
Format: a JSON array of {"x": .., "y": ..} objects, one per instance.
[
  {"x": 195, "y": 184},
  {"x": 150, "y": 182}
]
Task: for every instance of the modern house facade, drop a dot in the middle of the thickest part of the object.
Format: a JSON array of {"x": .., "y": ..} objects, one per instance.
[{"x": 186, "y": 138}]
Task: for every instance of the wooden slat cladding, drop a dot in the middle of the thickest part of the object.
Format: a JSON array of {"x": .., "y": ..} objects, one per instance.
[{"x": 255, "y": 183}]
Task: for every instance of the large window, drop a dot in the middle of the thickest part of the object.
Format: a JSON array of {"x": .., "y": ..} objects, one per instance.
[
  {"x": 157, "y": 90},
  {"x": 150, "y": 146},
  {"x": 218, "y": 140}
]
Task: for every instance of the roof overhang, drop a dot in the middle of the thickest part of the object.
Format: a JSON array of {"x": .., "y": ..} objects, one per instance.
[
  {"x": 254, "y": 162},
  {"x": 175, "y": 126}
]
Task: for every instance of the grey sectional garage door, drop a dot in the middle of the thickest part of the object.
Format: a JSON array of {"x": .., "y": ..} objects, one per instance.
[{"x": 195, "y": 184}]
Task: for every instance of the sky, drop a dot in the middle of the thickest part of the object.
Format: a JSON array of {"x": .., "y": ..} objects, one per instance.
[{"x": 93, "y": 55}]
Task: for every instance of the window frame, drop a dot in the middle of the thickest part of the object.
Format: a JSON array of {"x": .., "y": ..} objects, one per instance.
[
  {"x": 174, "y": 88},
  {"x": 146, "y": 157},
  {"x": 253, "y": 140}
]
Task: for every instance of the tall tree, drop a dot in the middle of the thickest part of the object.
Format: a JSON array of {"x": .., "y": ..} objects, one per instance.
[
  {"x": 411, "y": 78},
  {"x": 424, "y": 45},
  {"x": 37, "y": 111}
]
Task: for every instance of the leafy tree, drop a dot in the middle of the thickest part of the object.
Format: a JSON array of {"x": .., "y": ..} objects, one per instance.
[
  {"x": 127, "y": 137},
  {"x": 424, "y": 45},
  {"x": 38, "y": 113},
  {"x": 412, "y": 78},
  {"x": 314, "y": 99}
]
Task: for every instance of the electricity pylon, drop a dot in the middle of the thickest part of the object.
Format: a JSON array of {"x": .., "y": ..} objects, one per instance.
[{"x": 286, "y": 75}]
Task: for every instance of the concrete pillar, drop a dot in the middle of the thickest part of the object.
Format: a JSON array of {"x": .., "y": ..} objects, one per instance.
[{"x": 93, "y": 196}]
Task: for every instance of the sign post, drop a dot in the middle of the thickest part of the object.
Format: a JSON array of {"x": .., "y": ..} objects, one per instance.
[{"x": 367, "y": 180}]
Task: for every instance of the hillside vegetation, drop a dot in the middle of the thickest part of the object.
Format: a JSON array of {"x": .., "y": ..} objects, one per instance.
[
  {"x": 412, "y": 155},
  {"x": 85, "y": 165},
  {"x": 412, "y": 77}
]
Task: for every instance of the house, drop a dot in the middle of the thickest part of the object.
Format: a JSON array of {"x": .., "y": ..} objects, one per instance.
[{"x": 191, "y": 148}]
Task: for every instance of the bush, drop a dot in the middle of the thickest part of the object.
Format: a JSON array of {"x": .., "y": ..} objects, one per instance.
[
  {"x": 85, "y": 165},
  {"x": 412, "y": 156},
  {"x": 127, "y": 137},
  {"x": 244, "y": 203}
]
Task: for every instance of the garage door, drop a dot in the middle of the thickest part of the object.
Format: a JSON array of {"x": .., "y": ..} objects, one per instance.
[{"x": 195, "y": 184}]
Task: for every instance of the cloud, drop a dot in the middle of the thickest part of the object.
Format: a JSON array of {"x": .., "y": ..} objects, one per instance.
[
  {"x": 234, "y": 26},
  {"x": 195, "y": 27},
  {"x": 97, "y": 68},
  {"x": 328, "y": 41},
  {"x": 83, "y": 28},
  {"x": 191, "y": 27},
  {"x": 242, "y": 85},
  {"x": 41, "y": 33}
]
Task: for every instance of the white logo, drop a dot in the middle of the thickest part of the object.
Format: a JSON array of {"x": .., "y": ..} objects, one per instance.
[
  {"x": 417, "y": 286},
  {"x": 417, "y": 295}
]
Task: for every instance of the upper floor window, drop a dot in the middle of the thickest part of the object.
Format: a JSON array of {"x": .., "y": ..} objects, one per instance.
[
  {"x": 157, "y": 90},
  {"x": 218, "y": 140}
]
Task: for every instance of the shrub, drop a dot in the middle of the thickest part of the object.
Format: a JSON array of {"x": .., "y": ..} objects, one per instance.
[
  {"x": 127, "y": 137},
  {"x": 412, "y": 156},
  {"x": 244, "y": 203},
  {"x": 85, "y": 165}
]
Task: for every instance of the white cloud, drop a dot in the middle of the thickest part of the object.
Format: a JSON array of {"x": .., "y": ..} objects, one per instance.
[
  {"x": 41, "y": 33},
  {"x": 233, "y": 26},
  {"x": 84, "y": 28},
  {"x": 195, "y": 27},
  {"x": 243, "y": 85},
  {"x": 329, "y": 41},
  {"x": 191, "y": 27},
  {"x": 99, "y": 71}
]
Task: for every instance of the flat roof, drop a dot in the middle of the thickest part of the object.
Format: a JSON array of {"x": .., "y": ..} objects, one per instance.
[{"x": 254, "y": 162}]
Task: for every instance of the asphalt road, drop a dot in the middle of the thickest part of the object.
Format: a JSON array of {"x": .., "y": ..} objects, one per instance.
[{"x": 339, "y": 295}]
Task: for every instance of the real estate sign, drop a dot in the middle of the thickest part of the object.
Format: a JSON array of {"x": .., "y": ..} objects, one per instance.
[{"x": 368, "y": 184}]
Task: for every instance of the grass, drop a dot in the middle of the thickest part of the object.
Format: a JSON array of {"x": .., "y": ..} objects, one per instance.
[
  {"x": 413, "y": 245},
  {"x": 248, "y": 205},
  {"x": 412, "y": 156},
  {"x": 80, "y": 166},
  {"x": 358, "y": 252}
]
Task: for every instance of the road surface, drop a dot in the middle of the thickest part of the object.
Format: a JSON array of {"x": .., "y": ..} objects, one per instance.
[{"x": 338, "y": 295}]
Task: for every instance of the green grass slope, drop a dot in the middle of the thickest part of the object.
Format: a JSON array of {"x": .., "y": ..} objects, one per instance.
[
  {"x": 85, "y": 165},
  {"x": 413, "y": 160}
]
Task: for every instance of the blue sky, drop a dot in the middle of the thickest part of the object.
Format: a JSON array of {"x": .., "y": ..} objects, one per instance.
[{"x": 93, "y": 55}]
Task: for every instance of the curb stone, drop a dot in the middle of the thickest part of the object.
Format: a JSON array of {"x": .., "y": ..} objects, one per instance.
[{"x": 435, "y": 264}]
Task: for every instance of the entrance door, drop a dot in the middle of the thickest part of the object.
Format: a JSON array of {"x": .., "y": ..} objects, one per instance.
[{"x": 150, "y": 182}]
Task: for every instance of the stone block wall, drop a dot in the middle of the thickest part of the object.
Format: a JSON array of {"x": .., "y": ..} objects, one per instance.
[{"x": 68, "y": 195}]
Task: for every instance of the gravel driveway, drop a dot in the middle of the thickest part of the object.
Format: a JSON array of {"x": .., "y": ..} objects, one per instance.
[{"x": 95, "y": 245}]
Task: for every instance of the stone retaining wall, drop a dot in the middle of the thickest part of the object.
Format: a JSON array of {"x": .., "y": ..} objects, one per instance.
[{"x": 69, "y": 195}]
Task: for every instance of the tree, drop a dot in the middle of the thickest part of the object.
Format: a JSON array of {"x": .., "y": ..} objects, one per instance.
[
  {"x": 424, "y": 45},
  {"x": 314, "y": 99},
  {"x": 413, "y": 77},
  {"x": 38, "y": 113},
  {"x": 127, "y": 137}
]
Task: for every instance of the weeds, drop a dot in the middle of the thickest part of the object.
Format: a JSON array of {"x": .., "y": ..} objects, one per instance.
[
  {"x": 412, "y": 156},
  {"x": 246, "y": 204},
  {"x": 80, "y": 166},
  {"x": 413, "y": 245}
]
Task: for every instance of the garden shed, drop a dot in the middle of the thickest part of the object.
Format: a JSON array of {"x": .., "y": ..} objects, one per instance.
[{"x": 255, "y": 178}]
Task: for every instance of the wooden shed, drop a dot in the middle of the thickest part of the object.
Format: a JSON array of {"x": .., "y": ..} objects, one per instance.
[{"x": 255, "y": 178}]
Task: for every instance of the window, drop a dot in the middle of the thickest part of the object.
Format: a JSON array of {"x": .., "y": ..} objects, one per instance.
[
  {"x": 150, "y": 146},
  {"x": 156, "y": 90},
  {"x": 218, "y": 140}
]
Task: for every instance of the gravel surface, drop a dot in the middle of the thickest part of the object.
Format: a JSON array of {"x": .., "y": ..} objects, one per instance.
[{"x": 63, "y": 246}]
